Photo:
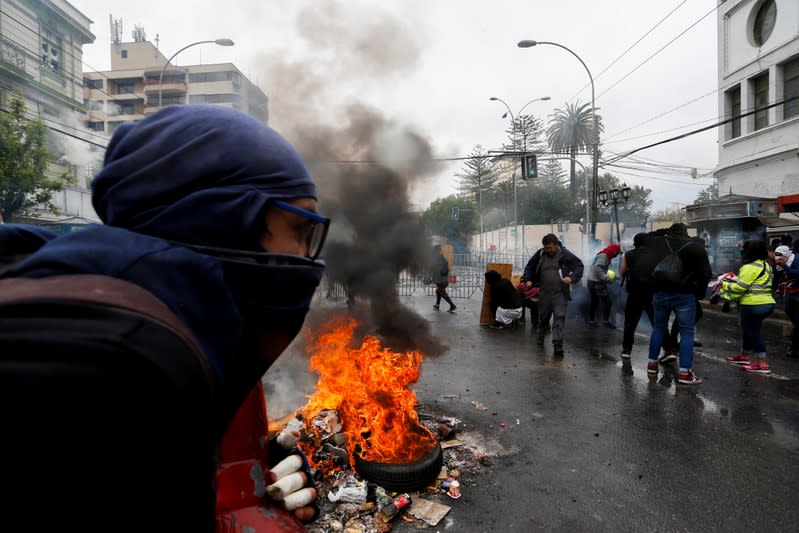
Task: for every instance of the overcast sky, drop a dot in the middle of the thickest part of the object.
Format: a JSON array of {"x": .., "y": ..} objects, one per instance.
[{"x": 431, "y": 65}]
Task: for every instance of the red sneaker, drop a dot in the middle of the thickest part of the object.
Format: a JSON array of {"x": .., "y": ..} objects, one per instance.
[
  {"x": 688, "y": 378},
  {"x": 652, "y": 368},
  {"x": 739, "y": 359},
  {"x": 758, "y": 368}
]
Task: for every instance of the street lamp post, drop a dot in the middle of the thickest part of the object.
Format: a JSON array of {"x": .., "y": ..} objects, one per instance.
[
  {"x": 529, "y": 44},
  {"x": 513, "y": 121},
  {"x": 220, "y": 42},
  {"x": 613, "y": 196}
]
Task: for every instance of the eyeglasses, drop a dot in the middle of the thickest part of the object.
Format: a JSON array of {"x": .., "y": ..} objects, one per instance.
[{"x": 317, "y": 227}]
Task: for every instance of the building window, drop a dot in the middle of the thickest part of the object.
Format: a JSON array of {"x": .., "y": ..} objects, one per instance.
[
  {"x": 126, "y": 87},
  {"x": 95, "y": 126},
  {"x": 124, "y": 54},
  {"x": 760, "y": 86},
  {"x": 207, "y": 77},
  {"x": 51, "y": 54},
  {"x": 214, "y": 99},
  {"x": 733, "y": 97},
  {"x": 790, "y": 88},
  {"x": 764, "y": 22},
  {"x": 92, "y": 84}
]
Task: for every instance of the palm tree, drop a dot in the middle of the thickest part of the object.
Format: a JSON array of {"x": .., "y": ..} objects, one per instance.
[{"x": 570, "y": 130}]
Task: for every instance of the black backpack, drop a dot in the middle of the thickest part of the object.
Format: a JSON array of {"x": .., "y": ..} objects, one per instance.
[
  {"x": 106, "y": 409},
  {"x": 669, "y": 271}
]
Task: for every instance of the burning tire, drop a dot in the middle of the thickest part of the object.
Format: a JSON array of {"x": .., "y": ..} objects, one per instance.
[{"x": 406, "y": 477}]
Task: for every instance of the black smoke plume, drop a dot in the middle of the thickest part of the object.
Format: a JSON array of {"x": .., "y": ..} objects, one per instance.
[{"x": 364, "y": 163}]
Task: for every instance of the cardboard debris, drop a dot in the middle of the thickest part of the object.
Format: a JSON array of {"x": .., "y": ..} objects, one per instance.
[
  {"x": 449, "y": 396},
  {"x": 450, "y": 443},
  {"x": 429, "y": 511},
  {"x": 479, "y": 406}
]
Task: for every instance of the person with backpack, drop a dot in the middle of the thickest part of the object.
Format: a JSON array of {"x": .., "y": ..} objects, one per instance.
[
  {"x": 212, "y": 213},
  {"x": 598, "y": 278},
  {"x": 636, "y": 268},
  {"x": 752, "y": 290},
  {"x": 679, "y": 278}
]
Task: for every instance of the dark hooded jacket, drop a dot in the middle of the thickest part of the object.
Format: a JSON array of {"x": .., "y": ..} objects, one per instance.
[
  {"x": 200, "y": 175},
  {"x": 696, "y": 272},
  {"x": 570, "y": 266}
]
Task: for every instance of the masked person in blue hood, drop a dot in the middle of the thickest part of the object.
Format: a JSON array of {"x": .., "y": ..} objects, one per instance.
[{"x": 215, "y": 214}]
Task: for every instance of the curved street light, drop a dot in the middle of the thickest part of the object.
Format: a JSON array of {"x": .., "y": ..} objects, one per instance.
[
  {"x": 529, "y": 44},
  {"x": 519, "y": 112},
  {"x": 220, "y": 42}
]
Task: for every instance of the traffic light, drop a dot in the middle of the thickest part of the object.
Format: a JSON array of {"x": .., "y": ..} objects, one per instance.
[
  {"x": 529, "y": 167},
  {"x": 456, "y": 213}
]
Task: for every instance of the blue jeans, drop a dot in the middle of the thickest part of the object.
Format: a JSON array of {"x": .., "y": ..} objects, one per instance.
[
  {"x": 684, "y": 307},
  {"x": 752, "y": 317}
]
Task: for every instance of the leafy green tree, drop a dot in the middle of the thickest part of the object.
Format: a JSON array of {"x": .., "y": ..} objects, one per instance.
[
  {"x": 637, "y": 208},
  {"x": 545, "y": 201},
  {"x": 24, "y": 180},
  {"x": 552, "y": 172},
  {"x": 477, "y": 176},
  {"x": 525, "y": 134},
  {"x": 571, "y": 130},
  {"x": 711, "y": 192},
  {"x": 438, "y": 220}
]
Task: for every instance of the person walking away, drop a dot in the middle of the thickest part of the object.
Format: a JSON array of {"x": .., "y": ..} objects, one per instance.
[
  {"x": 789, "y": 266},
  {"x": 636, "y": 268},
  {"x": 598, "y": 280},
  {"x": 441, "y": 278},
  {"x": 671, "y": 345},
  {"x": 554, "y": 269},
  {"x": 752, "y": 290},
  {"x": 679, "y": 278},
  {"x": 506, "y": 303}
]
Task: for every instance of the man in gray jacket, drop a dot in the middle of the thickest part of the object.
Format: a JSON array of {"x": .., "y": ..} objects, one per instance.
[{"x": 554, "y": 269}]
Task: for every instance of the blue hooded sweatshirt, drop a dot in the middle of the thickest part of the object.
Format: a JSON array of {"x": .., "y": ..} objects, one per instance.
[{"x": 200, "y": 175}]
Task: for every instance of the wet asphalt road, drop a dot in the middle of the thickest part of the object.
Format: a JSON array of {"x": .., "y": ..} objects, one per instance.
[{"x": 589, "y": 445}]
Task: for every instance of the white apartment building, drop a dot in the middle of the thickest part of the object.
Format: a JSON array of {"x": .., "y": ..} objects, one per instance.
[
  {"x": 131, "y": 89},
  {"x": 758, "y": 43},
  {"x": 41, "y": 51}
]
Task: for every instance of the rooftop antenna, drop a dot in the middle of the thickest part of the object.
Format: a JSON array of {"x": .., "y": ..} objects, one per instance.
[
  {"x": 157, "y": 40},
  {"x": 116, "y": 29},
  {"x": 139, "y": 36}
]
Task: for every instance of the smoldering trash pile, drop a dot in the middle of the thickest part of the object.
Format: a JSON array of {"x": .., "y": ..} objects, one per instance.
[{"x": 356, "y": 496}]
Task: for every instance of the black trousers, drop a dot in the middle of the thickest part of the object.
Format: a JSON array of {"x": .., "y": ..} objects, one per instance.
[
  {"x": 599, "y": 293},
  {"x": 639, "y": 301}
]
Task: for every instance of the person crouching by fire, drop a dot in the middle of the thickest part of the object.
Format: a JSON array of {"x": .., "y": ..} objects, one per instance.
[
  {"x": 553, "y": 269},
  {"x": 214, "y": 213},
  {"x": 506, "y": 303}
]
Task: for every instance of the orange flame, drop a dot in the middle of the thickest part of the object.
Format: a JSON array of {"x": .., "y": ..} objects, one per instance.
[{"x": 368, "y": 387}]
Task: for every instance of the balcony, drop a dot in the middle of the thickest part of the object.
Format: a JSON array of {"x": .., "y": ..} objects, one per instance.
[{"x": 168, "y": 87}]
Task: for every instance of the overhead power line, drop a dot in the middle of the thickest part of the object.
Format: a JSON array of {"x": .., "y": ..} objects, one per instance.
[
  {"x": 661, "y": 21},
  {"x": 714, "y": 91},
  {"x": 645, "y": 61},
  {"x": 700, "y": 130}
]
